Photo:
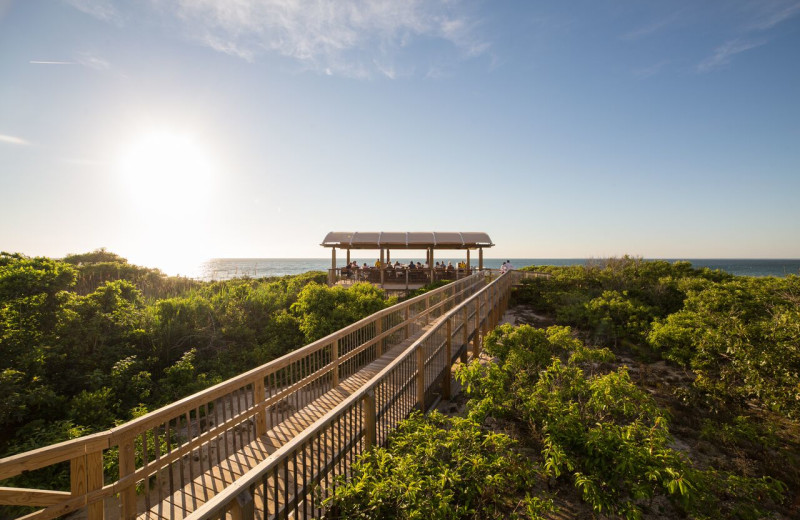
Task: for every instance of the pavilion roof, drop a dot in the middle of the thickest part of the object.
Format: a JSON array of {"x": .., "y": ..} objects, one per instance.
[{"x": 406, "y": 240}]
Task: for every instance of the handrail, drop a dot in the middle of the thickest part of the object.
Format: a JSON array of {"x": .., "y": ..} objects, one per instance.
[
  {"x": 225, "y": 414},
  {"x": 425, "y": 352}
]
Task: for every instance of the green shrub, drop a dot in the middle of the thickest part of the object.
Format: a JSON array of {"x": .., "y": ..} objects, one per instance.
[{"x": 438, "y": 467}]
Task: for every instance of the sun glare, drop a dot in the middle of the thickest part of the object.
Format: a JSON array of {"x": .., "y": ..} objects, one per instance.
[
  {"x": 166, "y": 179},
  {"x": 165, "y": 174}
]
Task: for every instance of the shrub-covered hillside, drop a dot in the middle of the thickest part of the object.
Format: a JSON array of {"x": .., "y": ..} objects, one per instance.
[
  {"x": 90, "y": 341},
  {"x": 642, "y": 390}
]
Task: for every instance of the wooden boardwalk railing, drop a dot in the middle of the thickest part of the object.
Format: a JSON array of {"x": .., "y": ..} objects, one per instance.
[
  {"x": 184, "y": 456},
  {"x": 291, "y": 482}
]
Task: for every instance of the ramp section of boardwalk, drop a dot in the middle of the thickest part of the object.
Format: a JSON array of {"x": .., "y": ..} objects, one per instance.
[
  {"x": 172, "y": 462},
  {"x": 291, "y": 482}
]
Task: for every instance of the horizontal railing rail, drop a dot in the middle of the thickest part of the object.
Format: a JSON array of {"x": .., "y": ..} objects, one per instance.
[
  {"x": 292, "y": 482},
  {"x": 393, "y": 277},
  {"x": 167, "y": 449}
]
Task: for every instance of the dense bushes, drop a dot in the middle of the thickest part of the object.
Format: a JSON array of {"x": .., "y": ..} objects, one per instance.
[
  {"x": 739, "y": 335},
  {"x": 437, "y": 467},
  {"x": 579, "y": 419},
  {"x": 81, "y": 354},
  {"x": 742, "y": 340}
]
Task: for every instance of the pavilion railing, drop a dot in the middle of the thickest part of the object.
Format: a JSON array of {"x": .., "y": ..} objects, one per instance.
[
  {"x": 292, "y": 482},
  {"x": 172, "y": 446},
  {"x": 401, "y": 276}
]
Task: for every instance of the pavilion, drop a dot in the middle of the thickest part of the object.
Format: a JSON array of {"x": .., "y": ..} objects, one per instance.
[{"x": 387, "y": 241}]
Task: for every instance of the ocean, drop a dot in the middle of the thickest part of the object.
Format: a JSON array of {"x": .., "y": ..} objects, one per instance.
[{"x": 226, "y": 268}]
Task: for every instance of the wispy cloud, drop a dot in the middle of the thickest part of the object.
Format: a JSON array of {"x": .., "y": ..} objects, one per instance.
[
  {"x": 348, "y": 37},
  {"x": 44, "y": 62},
  {"x": 100, "y": 9},
  {"x": 652, "y": 27},
  {"x": 92, "y": 61},
  {"x": 651, "y": 70},
  {"x": 762, "y": 18},
  {"x": 10, "y": 139},
  {"x": 769, "y": 14},
  {"x": 723, "y": 54},
  {"x": 84, "y": 59}
]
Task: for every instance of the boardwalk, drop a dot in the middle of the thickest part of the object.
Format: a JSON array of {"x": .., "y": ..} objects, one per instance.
[
  {"x": 269, "y": 443},
  {"x": 178, "y": 504}
]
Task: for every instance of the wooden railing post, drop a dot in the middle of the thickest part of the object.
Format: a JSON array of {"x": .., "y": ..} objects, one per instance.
[
  {"x": 465, "y": 332},
  {"x": 370, "y": 427},
  {"x": 335, "y": 361},
  {"x": 405, "y": 318},
  {"x": 77, "y": 476},
  {"x": 259, "y": 396},
  {"x": 446, "y": 377},
  {"x": 94, "y": 481},
  {"x": 243, "y": 507},
  {"x": 485, "y": 321},
  {"x": 421, "y": 379},
  {"x": 476, "y": 338},
  {"x": 85, "y": 475},
  {"x": 127, "y": 465},
  {"x": 427, "y": 309},
  {"x": 378, "y": 332}
]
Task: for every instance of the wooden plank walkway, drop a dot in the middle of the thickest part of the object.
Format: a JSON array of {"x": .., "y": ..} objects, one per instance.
[{"x": 166, "y": 502}]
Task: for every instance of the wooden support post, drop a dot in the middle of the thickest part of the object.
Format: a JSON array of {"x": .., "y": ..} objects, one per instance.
[
  {"x": 332, "y": 275},
  {"x": 77, "y": 476},
  {"x": 468, "y": 264},
  {"x": 485, "y": 320},
  {"x": 259, "y": 396},
  {"x": 421, "y": 379},
  {"x": 127, "y": 465},
  {"x": 465, "y": 332},
  {"x": 430, "y": 265},
  {"x": 348, "y": 257},
  {"x": 243, "y": 507},
  {"x": 480, "y": 259},
  {"x": 370, "y": 427},
  {"x": 335, "y": 361},
  {"x": 448, "y": 372},
  {"x": 476, "y": 338},
  {"x": 378, "y": 332},
  {"x": 86, "y": 475},
  {"x": 382, "y": 267}
]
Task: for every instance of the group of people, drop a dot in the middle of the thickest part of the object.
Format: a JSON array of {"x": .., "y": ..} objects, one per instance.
[
  {"x": 506, "y": 266},
  {"x": 410, "y": 265}
]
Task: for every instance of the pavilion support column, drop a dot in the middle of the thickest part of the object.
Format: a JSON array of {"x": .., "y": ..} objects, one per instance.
[
  {"x": 332, "y": 274},
  {"x": 430, "y": 264},
  {"x": 480, "y": 259},
  {"x": 348, "y": 256},
  {"x": 388, "y": 256},
  {"x": 468, "y": 264},
  {"x": 382, "y": 267}
]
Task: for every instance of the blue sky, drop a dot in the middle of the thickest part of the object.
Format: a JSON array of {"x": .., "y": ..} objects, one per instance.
[{"x": 172, "y": 131}]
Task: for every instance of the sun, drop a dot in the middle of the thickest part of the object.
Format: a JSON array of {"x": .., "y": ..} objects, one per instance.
[
  {"x": 165, "y": 174},
  {"x": 166, "y": 180}
]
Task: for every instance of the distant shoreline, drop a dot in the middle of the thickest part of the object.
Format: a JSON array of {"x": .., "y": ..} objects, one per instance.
[{"x": 226, "y": 268}]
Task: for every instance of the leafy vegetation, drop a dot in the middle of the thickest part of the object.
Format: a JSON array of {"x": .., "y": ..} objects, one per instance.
[
  {"x": 439, "y": 467},
  {"x": 587, "y": 415},
  {"x": 91, "y": 341}
]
